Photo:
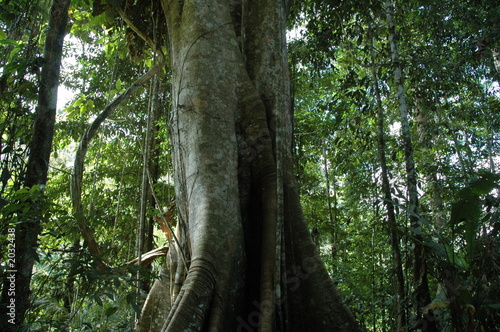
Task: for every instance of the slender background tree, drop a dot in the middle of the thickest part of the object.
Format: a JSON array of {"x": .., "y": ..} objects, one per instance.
[{"x": 16, "y": 291}]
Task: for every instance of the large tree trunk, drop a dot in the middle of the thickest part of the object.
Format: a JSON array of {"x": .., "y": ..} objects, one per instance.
[
  {"x": 238, "y": 206},
  {"x": 16, "y": 292}
]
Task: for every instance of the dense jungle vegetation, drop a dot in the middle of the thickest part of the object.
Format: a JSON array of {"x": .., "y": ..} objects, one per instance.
[{"x": 396, "y": 150}]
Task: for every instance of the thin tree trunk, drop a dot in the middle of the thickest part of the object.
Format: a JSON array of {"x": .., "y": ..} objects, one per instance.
[
  {"x": 152, "y": 177},
  {"x": 327, "y": 182},
  {"x": 69, "y": 296},
  {"x": 433, "y": 189},
  {"x": 36, "y": 174},
  {"x": 397, "y": 265},
  {"x": 466, "y": 166},
  {"x": 491, "y": 154},
  {"x": 496, "y": 59},
  {"x": 146, "y": 189},
  {"x": 421, "y": 287}
]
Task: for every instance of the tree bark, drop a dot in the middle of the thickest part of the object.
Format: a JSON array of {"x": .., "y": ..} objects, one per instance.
[
  {"x": 496, "y": 59},
  {"x": 28, "y": 231},
  {"x": 421, "y": 286},
  {"x": 205, "y": 61},
  {"x": 251, "y": 263}
]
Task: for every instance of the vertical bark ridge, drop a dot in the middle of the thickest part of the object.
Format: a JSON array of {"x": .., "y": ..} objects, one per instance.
[
  {"x": 206, "y": 172},
  {"x": 264, "y": 49},
  {"x": 199, "y": 285},
  {"x": 315, "y": 304},
  {"x": 158, "y": 301},
  {"x": 264, "y": 177},
  {"x": 306, "y": 293}
]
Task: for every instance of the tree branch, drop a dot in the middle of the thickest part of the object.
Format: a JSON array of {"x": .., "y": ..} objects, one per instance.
[
  {"x": 149, "y": 256},
  {"x": 139, "y": 32},
  {"x": 77, "y": 174}
]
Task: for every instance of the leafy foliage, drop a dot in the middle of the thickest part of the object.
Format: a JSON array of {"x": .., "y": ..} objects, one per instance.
[
  {"x": 450, "y": 94},
  {"x": 452, "y": 88}
]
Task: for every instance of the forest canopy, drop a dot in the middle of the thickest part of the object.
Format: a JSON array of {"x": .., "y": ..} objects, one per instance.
[{"x": 394, "y": 109}]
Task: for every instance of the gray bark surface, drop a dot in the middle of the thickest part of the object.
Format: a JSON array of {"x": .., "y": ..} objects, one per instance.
[{"x": 251, "y": 264}]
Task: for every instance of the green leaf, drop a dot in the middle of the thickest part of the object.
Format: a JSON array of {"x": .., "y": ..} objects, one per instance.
[
  {"x": 484, "y": 183},
  {"x": 98, "y": 300},
  {"x": 131, "y": 299},
  {"x": 437, "y": 248},
  {"x": 467, "y": 209},
  {"x": 470, "y": 231},
  {"x": 9, "y": 42},
  {"x": 111, "y": 311},
  {"x": 89, "y": 105},
  {"x": 440, "y": 301},
  {"x": 455, "y": 258},
  {"x": 80, "y": 100},
  {"x": 136, "y": 308},
  {"x": 26, "y": 86}
]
